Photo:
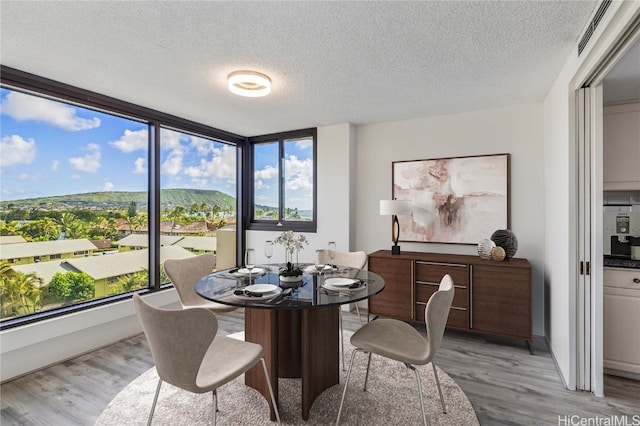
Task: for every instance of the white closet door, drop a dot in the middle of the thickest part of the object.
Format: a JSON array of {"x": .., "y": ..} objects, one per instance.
[{"x": 589, "y": 234}]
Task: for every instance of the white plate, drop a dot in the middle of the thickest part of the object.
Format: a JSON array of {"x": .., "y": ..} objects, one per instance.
[
  {"x": 340, "y": 281},
  {"x": 331, "y": 287},
  {"x": 265, "y": 296},
  {"x": 261, "y": 288},
  {"x": 254, "y": 271},
  {"x": 311, "y": 269}
]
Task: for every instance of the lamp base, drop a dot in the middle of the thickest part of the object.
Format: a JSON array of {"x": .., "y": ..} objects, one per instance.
[{"x": 395, "y": 249}]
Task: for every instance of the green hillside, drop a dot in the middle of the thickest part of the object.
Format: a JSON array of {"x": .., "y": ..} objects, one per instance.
[{"x": 122, "y": 199}]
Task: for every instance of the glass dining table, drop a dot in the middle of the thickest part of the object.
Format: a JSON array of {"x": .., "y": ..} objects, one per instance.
[{"x": 297, "y": 323}]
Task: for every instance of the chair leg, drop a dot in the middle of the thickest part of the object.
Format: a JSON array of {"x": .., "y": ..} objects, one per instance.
[
  {"x": 346, "y": 383},
  {"x": 435, "y": 373},
  {"x": 366, "y": 376},
  {"x": 358, "y": 312},
  {"x": 424, "y": 415},
  {"x": 214, "y": 406},
  {"x": 273, "y": 398},
  {"x": 155, "y": 399}
]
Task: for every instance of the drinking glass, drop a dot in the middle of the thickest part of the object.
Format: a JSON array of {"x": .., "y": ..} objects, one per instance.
[
  {"x": 250, "y": 260},
  {"x": 332, "y": 252},
  {"x": 319, "y": 265},
  {"x": 268, "y": 251}
]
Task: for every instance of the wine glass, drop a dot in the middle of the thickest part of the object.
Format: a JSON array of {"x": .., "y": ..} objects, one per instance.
[
  {"x": 250, "y": 260},
  {"x": 332, "y": 253},
  {"x": 268, "y": 251},
  {"x": 319, "y": 265}
]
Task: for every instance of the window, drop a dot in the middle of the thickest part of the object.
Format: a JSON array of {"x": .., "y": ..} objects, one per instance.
[
  {"x": 80, "y": 172},
  {"x": 198, "y": 194},
  {"x": 283, "y": 188}
]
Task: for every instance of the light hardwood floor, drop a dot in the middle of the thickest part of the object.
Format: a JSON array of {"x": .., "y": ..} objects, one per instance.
[{"x": 505, "y": 384}]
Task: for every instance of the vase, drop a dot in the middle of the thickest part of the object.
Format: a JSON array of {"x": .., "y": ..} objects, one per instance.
[{"x": 293, "y": 279}]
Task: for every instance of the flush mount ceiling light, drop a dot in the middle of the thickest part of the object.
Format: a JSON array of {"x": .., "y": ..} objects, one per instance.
[{"x": 249, "y": 83}]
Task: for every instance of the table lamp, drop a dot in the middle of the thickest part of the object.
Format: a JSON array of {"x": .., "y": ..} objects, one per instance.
[{"x": 395, "y": 208}]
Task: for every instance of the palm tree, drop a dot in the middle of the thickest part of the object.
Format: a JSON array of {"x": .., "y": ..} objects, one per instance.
[
  {"x": 66, "y": 222},
  {"x": 29, "y": 290}
]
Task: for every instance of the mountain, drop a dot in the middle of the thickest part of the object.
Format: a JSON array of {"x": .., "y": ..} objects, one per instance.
[{"x": 122, "y": 199}]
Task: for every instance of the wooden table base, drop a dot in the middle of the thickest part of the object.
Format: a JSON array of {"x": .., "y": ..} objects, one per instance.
[{"x": 297, "y": 344}]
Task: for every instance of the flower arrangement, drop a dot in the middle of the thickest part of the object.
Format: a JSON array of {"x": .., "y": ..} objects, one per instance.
[{"x": 291, "y": 243}]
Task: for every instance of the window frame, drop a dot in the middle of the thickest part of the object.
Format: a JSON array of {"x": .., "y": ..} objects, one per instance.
[
  {"x": 14, "y": 79},
  {"x": 279, "y": 225}
]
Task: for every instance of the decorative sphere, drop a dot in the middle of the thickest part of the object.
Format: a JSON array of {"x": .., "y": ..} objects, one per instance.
[
  {"x": 507, "y": 240},
  {"x": 498, "y": 254},
  {"x": 484, "y": 248}
]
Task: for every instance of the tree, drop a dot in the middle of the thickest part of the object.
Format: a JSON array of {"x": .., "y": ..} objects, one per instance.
[
  {"x": 18, "y": 290},
  {"x": 40, "y": 230},
  {"x": 131, "y": 282},
  {"x": 66, "y": 222},
  {"x": 131, "y": 211},
  {"x": 72, "y": 286}
]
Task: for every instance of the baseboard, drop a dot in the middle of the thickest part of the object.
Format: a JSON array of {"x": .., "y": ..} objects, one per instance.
[{"x": 555, "y": 362}]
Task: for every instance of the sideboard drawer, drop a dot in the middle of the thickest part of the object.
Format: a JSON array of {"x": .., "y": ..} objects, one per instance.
[
  {"x": 458, "y": 317},
  {"x": 460, "y": 297},
  {"x": 432, "y": 272}
]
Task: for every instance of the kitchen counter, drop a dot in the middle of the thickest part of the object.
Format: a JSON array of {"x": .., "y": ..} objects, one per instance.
[{"x": 621, "y": 262}]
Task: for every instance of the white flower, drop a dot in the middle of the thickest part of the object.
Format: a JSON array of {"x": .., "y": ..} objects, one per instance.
[{"x": 290, "y": 241}]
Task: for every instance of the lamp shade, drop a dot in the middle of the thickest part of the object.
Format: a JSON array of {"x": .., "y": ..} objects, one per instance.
[{"x": 395, "y": 207}]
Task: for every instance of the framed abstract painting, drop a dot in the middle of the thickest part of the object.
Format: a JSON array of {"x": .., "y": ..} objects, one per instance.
[{"x": 458, "y": 200}]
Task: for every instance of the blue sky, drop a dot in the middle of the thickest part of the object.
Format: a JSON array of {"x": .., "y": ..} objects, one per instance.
[{"x": 51, "y": 148}]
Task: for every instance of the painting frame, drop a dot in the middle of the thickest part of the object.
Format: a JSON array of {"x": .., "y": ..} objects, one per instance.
[{"x": 455, "y": 200}]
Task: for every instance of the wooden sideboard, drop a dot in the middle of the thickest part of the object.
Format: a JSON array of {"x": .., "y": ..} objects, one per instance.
[{"x": 490, "y": 297}]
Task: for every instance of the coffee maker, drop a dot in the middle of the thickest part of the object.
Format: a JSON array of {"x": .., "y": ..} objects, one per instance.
[{"x": 621, "y": 224}]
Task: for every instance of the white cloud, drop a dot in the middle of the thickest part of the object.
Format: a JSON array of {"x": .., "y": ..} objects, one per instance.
[
  {"x": 172, "y": 165},
  {"x": 132, "y": 140},
  {"x": 54, "y": 165},
  {"x": 90, "y": 163},
  {"x": 222, "y": 165},
  {"x": 202, "y": 146},
  {"x": 299, "y": 174},
  {"x": 26, "y": 176},
  {"x": 269, "y": 172},
  {"x": 170, "y": 139},
  {"x": 22, "y": 107},
  {"x": 108, "y": 186},
  {"x": 304, "y": 143},
  {"x": 16, "y": 150},
  {"x": 140, "y": 165}
]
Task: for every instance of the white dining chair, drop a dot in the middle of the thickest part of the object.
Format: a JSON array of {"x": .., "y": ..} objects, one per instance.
[
  {"x": 184, "y": 273},
  {"x": 190, "y": 355},
  {"x": 397, "y": 340}
]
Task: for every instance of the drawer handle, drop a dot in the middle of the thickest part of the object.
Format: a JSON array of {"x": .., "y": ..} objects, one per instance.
[{"x": 636, "y": 280}]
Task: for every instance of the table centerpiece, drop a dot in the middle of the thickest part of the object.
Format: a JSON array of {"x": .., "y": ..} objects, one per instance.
[{"x": 292, "y": 243}]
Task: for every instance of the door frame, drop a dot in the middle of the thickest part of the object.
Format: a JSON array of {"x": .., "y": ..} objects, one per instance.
[{"x": 622, "y": 30}]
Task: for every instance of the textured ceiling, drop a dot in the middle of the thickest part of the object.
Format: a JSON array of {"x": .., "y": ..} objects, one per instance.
[{"x": 330, "y": 62}]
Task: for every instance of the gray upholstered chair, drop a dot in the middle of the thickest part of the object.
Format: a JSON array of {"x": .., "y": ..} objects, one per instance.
[
  {"x": 399, "y": 341},
  {"x": 188, "y": 354},
  {"x": 352, "y": 259},
  {"x": 184, "y": 273}
]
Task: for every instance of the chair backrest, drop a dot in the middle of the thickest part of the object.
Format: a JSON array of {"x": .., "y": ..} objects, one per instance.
[
  {"x": 437, "y": 312},
  {"x": 353, "y": 259},
  {"x": 178, "y": 340},
  {"x": 184, "y": 273}
]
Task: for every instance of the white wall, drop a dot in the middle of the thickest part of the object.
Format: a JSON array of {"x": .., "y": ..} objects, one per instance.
[
  {"x": 517, "y": 130},
  {"x": 559, "y": 168}
]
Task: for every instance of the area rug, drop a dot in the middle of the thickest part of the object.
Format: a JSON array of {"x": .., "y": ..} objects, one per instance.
[{"x": 391, "y": 399}]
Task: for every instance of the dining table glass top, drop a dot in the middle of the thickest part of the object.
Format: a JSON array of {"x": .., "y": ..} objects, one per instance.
[{"x": 262, "y": 288}]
